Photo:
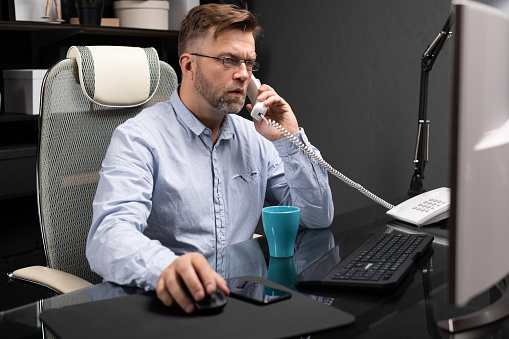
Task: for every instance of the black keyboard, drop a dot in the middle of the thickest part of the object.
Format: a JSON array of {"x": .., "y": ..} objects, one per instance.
[{"x": 379, "y": 264}]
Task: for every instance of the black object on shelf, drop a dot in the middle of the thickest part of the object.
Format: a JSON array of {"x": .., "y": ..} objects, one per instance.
[
  {"x": 90, "y": 13},
  {"x": 17, "y": 169},
  {"x": 7, "y": 10}
]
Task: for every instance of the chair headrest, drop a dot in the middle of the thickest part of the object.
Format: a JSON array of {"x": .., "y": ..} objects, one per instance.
[{"x": 117, "y": 76}]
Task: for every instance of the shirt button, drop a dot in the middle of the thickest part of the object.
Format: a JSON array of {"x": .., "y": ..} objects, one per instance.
[
  {"x": 221, "y": 234},
  {"x": 217, "y": 195},
  {"x": 207, "y": 132}
]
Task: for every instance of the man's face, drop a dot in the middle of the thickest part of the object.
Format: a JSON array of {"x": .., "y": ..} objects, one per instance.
[
  {"x": 224, "y": 88},
  {"x": 220, "y": 97}
]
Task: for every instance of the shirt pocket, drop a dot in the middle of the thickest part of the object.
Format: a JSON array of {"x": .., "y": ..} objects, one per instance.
[
  {"x": 246, "y": 197},
  {"x": 247, "y": 190},
  {"x": 247, "y": 177}
]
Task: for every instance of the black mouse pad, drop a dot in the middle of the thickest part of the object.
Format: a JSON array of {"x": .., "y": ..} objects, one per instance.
[{"x": 144, "y": 316}]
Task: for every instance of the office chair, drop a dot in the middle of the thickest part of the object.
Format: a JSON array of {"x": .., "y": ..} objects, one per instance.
[{"x": 83, "y": 99}]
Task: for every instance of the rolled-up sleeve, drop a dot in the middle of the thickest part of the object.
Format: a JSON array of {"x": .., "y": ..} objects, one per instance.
[{"x": 300, "y": 181}]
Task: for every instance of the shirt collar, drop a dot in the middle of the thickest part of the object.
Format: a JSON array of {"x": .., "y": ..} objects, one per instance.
[{"x": 227, "y": 130}]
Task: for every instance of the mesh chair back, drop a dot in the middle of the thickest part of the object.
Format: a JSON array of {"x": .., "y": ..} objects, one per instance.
[{"x": 74, "y": 136}]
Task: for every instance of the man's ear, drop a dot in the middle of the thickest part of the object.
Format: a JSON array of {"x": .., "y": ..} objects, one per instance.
[{"x": 187, "y": 65}]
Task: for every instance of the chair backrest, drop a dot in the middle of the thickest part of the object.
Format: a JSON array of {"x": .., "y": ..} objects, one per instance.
[{"x": 75, "y": 131}]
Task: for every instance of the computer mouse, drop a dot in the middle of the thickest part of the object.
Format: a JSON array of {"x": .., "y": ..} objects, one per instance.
[{"x": 211, "y": 304}]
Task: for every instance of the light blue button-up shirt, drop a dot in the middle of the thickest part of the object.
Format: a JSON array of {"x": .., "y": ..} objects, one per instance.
[{"x": 165, "y": 190}]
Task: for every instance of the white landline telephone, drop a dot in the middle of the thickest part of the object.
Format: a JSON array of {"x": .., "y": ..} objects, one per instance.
[{"x": 423, "y": 209}]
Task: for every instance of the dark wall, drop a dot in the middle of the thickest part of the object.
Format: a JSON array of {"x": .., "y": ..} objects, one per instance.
[{"x": 351, "y": 72}]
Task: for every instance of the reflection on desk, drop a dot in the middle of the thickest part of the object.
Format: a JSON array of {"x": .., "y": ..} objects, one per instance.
[
  {"x": 250, "y": 257},
  {"x": 23, "y": 322}
]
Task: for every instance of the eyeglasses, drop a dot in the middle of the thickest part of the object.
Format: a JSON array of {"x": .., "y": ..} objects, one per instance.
[{"x": 234, "y": 62}]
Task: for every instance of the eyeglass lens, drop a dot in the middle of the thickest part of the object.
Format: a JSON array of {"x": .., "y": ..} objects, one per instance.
[{"x": 234, "y": 62}]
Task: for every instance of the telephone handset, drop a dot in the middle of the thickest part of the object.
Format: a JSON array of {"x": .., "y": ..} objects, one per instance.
[
  {"x": 404, "y": 211},
  {"x": 252, "y": 93}
]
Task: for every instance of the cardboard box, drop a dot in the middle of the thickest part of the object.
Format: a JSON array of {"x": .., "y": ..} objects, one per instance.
[
  {"x": 22, "y": 90},
  {"x": 108, "y": 22}
]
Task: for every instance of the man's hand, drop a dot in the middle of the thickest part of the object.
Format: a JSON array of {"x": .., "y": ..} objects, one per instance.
[
  {"x": 193, "y": 270},
  {"x": 278, "y": 110}
]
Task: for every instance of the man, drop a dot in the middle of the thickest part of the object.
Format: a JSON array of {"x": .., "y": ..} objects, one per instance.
[{"x": 189, "y": 176}]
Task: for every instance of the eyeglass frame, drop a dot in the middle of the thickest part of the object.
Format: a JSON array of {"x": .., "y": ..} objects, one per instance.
[{"x": 248, "y": 63}]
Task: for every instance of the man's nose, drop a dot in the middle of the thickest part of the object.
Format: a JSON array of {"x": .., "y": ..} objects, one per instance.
[{"x": 242, "y": 73}]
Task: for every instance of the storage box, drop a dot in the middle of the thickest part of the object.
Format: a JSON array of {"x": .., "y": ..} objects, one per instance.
[
  {"x": 150, "y": 14},
  {"x": 178, "y": 10},
  {"x": 32, "y": 10},
  {"x": 22, "y": 90}
]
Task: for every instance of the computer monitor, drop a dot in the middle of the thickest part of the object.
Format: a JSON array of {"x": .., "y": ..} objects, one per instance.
[{"x": 479, "y": 224}]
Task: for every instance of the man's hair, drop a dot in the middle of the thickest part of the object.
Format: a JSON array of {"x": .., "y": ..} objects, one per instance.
[{"x": 222, "y": 17}]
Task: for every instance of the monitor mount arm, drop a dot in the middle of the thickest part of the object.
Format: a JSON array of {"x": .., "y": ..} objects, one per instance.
[{"x": 422, "y": 145}]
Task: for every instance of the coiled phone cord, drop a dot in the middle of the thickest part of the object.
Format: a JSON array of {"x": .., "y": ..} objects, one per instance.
[{"x": 326, "y": 165}]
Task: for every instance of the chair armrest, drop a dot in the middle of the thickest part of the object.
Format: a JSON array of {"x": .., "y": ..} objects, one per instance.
[{"x": 58, "y": 281}]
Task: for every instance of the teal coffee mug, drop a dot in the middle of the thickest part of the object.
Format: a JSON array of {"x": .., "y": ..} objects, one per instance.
[{"x": 281, "y": 224}]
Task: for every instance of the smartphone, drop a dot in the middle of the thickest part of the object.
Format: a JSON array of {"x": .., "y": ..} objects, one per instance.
[{"x": 256, "y": 293}]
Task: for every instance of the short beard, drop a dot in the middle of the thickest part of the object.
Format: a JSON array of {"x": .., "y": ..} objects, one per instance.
[{"x": 216, "y": 97}]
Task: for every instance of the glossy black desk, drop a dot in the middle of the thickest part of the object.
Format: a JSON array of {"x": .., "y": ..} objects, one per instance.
[{"x": 409, "y": 312}]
